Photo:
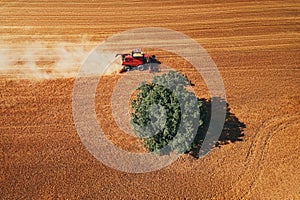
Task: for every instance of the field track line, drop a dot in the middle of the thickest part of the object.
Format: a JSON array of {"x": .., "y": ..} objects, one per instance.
[{"x": 255, "y": 157}]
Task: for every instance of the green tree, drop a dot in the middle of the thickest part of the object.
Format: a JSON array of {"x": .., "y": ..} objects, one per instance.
[{"x": 166, "y": 115}]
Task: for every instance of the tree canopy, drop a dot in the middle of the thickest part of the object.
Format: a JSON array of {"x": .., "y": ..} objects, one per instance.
[{"x": 166, "y": 115}]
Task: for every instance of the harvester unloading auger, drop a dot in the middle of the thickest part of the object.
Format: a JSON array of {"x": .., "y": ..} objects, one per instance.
[{"x": 137, "y": 60}]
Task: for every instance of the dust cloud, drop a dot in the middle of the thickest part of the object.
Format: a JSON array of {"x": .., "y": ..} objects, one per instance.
[{"x": 41, "y": 60}]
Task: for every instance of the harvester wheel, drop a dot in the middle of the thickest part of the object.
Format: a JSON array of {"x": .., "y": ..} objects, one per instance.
[
  {"x": 141, "y": 67},
  {"x": 127, "y": 68}
]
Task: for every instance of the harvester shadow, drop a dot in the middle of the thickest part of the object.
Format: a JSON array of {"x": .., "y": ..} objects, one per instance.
[{"x": 232, "y": 130}]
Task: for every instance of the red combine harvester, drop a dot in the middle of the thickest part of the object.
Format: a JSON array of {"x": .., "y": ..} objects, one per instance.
[{"x": 137, "y": 60}]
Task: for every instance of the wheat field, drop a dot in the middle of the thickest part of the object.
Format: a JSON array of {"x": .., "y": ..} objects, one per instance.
[{"x": 255, "y": 46}]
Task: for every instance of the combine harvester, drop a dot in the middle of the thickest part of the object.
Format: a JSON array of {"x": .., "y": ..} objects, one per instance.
[{"x": 138, "y": 60}]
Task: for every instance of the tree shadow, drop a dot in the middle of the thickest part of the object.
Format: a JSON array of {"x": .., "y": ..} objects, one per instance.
[{"x": 232, "y": 129}]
